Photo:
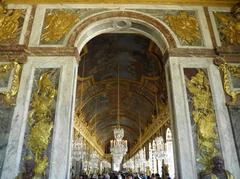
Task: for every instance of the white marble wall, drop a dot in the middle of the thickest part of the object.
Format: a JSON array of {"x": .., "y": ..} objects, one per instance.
[
  {"x": 61, "y": 141},
  {"x": 181, "y": 117}
]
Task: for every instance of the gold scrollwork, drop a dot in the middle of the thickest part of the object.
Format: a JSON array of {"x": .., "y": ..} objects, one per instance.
[
  {"x": 204, "y": 118},
  {"x": 227, "y": 71},
  {"x": 56, "y": 24},
  {"x": 9, "y": 23},
  {"x": 40, "y": 122},
  {"x": 185, "y": 26},
  {"x": 9, "y": 96}
]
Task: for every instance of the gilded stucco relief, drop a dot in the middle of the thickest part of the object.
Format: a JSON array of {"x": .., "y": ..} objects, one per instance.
[
  {"x": 9, "y": 84},
  {"x": 59, "y": 22},
  {"x": 186, "y": 27},
  {"x": 9, "y": 74},
  {"x": 229, "y": 28},
  {"x": 228, "y": 25},
  {"x": 204, "y": 125},
  {"x": 184, "y": 23},
  {"x": 38, "y": 136},
  {"x": 231, "y": 73},
  {"x": 11, "y": 22}
]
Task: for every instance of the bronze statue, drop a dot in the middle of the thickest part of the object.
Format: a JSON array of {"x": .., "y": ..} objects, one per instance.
[
  {"x": 28, "y": 172},
  {"x": 218, "y": 171}
]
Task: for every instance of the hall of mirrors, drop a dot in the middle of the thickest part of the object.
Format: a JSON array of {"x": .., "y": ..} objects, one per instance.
[
  {"x": 121, "y": 92},
  {"x": 121, "y": 87}
]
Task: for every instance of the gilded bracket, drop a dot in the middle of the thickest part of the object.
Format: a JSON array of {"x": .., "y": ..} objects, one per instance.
[
  {"x": 228, "y": 70},
  {"x": 9, "y": 96}
]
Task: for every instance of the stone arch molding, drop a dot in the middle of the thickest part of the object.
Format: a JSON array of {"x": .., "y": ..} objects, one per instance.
[
  {"x": 122, "y": 22},
  {"x": 113, "y": 21}
]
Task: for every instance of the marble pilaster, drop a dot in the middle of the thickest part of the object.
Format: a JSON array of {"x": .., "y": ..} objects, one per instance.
[
  {"x": 63, "y": 121},
  {"x": 183, "y": 137}
]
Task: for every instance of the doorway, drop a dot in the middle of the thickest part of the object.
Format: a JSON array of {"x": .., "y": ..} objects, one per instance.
[{"x": 121, "y": 83}]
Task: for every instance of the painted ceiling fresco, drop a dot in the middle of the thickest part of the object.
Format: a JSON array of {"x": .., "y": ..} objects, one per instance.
[
  {"x": 128, "y": 52},
  {"x": 140, "y": 80}
]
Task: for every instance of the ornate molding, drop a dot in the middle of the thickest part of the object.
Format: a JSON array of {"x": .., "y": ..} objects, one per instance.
[
  {"x": 228, "y": 70},
  {"x": 176, "y": 2},
  {"x": 204, "y": 117},
  {"x": 10, "y": 95},
  {"x": 185, "y": 26}
]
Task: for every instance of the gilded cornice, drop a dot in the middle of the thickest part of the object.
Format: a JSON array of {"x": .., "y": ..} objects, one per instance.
[{"x": 164, "y": 2}]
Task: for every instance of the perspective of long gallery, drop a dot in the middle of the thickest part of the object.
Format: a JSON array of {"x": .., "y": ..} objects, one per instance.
[{"x": 119, "y": 89}]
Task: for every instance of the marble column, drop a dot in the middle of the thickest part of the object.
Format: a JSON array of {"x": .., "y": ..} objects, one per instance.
[
  {"x": 59, "y": 163},
  {"x": 183, "y": 137}
]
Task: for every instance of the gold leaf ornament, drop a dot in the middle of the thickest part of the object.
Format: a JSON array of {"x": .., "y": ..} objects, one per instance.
[
  {"x": 9, "y": 96},
  {"x": 9, "y": 23},
  {"x": 228, "y": 70},
  {"x": 229, "y": 27},
  {"x": 204, "y": 118},
  {"x": 57, "y": 24},
  {"x": 40, "y": 122},
  {"x": 185, "y": 26}
]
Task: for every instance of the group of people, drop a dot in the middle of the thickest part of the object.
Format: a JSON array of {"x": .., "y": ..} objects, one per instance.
[
  {"x": 217, "y": 172},
  {"x": 121, "y": 175}
]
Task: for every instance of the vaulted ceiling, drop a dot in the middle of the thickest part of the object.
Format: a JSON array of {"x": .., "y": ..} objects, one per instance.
[{"x": 141, "y": 79}]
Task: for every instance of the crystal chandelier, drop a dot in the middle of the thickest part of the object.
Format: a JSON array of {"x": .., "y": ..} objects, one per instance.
[
  {"x": 77, "y": 152},
  {"x": 159, "y": 150},
  {"x": 118, "y": 146}
]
